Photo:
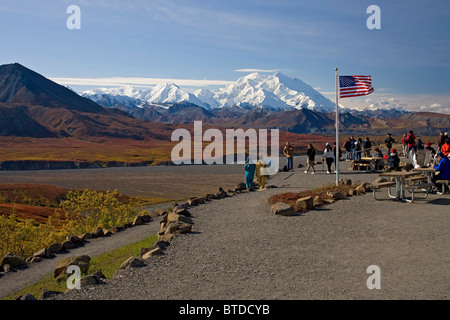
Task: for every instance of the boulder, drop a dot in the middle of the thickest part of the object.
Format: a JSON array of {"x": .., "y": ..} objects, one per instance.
[
  {"x": 116, "y": 229},
  {"x": 182, "y": 211},
  {"x": 329, "y": 200},
  {"x": 317, "y": 201},
  {"x": 99, "y": 274},
  {"x": 43, "y": 253},
  {"x": 27, "y": 296},
  {"x": 335, "y": 195},
  {"x": 68, "y": 245},
  {"x": 138, "y": 221},
  {"x": 153, "y": 252},
  {"x": 98, "y": 232},
  {"x": 89, "y": 281},
  {"x": 360, "y": 190},
  {"x": 379, "y": 180},
  {"x": 283, "y": 209},
  {"x": 34, "y": 259},
  {"x": 365, "y": 185},
  {"x": 167, "y": 237},
  {"x": 81, "y": 261},
  {"x": 75, "y": 240},
  {"x": 8, "y": 268},
  {"x": 345, "y": 182},
  {"x": 46, "y": 294},
  {"x": 146, "y": 218},
  {"x": 12, "y": 260},
  {"x": 54, "y": 248},
  {"x": 132, "y": 262},
  {"x": 172, "y": 217},
  {"x": 196, "y": 201},
  {"x": 306, "y": 203},
  {"x": 161, "y": 244},
  {"x": 86, "y": 236}
]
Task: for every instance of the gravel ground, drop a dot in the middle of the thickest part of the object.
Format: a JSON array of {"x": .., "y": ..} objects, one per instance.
[{"x": 239, "y": 250}]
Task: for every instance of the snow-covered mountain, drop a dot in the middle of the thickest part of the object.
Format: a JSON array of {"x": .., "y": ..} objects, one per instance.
[
  {"x": 164, "y": 94},
  {"x": 277, "y": 92},
  {"x": 169, "y": 93}
]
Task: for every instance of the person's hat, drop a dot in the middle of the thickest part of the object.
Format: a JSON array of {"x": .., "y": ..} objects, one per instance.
[
  {"x": 440, "y": 154},
  {"x": 377, "y": 149},
  {"x": 428, "y": 144},
  {"x": 394, "y": 150},
  {"x": 327, "y": 144}
]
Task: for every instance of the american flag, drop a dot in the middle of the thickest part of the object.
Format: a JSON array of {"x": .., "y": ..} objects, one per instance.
[{"x": 353, "y": 86}]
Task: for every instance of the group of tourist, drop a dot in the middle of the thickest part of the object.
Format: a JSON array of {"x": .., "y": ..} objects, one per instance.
[
  {"x": 419, "y": 153},
  {"x": 355, "y": 148}
]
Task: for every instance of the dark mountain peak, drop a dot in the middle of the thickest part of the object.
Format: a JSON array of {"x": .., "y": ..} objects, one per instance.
[{"x": 20, "y": 85}]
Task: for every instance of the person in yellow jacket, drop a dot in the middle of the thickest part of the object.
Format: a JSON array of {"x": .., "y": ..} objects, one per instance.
[{"x": 259, "y": 176}]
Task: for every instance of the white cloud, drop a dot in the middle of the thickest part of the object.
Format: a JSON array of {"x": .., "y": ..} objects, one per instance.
[
  {"x": 138, "y": 82},
  {"x": 257, "y": 70}
]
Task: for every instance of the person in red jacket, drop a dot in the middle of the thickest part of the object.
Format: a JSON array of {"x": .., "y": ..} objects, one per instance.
[
  {"x": 445, "y": 148},
  {"x": 411, "y": 141}
]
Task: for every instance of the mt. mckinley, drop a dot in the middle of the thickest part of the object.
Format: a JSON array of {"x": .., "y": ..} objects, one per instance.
[{"x": 276, "y": 92}]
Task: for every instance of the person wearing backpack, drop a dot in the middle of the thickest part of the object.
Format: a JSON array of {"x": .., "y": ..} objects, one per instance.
[
  {"x": 311, "y": 153},
  {"x": 411, "y": 141},
  {"x": 394, "y": 161}
]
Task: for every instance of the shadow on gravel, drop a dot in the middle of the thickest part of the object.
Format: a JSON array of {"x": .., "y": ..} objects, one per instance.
[{"x": 441, "y": 202}]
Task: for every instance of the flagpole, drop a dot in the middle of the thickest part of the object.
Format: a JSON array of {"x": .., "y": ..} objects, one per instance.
[{"x": 337, "y": 128}]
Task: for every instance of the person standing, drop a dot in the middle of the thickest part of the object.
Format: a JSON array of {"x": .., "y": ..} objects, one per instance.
[
  {"x": 288, "y": 151},
  {"x": 358, "y": 148},
  {"x": 404, "y": 144},
  {"x": 389, "y": 141},
  {"x": 259, "y": 176},
  {"x": 352, "y": 147},
  {"x": 441, "y": 140},
  {"x": 411, "y": 141},
  {"x": 347, "y": 146},
  {"x": 329, "y": 157},
  {"x": 249, "y": 175},
  {"x": 334, "y": 153},
  {"x": 367, "y": 147},
  {"x": 311, "y": 153}
]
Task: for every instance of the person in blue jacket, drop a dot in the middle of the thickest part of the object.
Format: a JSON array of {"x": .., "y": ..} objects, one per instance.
[
  {"x": 443, "y": 167},
  {"x": 249, "y": 174}
]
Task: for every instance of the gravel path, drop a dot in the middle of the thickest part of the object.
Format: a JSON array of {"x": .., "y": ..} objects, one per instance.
[{"x": 239, "y": 250}]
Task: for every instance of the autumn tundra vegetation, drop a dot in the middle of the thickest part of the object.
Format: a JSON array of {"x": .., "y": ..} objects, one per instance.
[{"x": 36, "y": 216}]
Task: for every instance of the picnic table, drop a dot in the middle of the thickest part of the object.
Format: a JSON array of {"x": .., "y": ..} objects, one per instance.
[
  {"x": 401, "y": 187},
  {"x": 373, "y": 162},
  {"x": 429, "y": 171}
]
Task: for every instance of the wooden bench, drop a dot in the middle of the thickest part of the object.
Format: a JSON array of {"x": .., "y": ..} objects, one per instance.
[
  {"x": 360, "y": 166},
  {"x": 426, "y": 187},
  {"x": 444, "y": 183},
  {"x": 413, "y": 179},
  {"x": 382, "y": 185}
]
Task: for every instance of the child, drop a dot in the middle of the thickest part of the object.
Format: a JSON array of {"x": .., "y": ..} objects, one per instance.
[
  {"x": 249, "y": 174},
  {"x": 260, "y": 177}
]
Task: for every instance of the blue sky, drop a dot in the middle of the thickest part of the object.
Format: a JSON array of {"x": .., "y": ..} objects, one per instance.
[{"x": 206, "y": 40}]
